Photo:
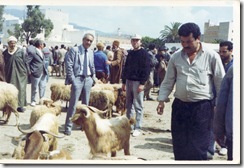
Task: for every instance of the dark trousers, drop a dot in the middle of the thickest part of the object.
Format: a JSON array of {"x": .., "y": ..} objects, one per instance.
[
  {"x": 191, "y": 128},
  {"x": 229, "y": 144}
]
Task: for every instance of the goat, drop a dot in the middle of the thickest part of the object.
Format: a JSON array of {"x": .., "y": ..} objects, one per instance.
[
  {"x": 8, "y": 101},
  {"x": 104, "y": 135},
  {"x": 41, "y": 137},
  {"x": 39, "y": 110},
  {"x": 56, "y": 155},
  {"x": 60, "y": 91}
]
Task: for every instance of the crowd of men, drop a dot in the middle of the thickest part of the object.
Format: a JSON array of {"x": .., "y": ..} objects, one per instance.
[{"x": 196, "y": 74}]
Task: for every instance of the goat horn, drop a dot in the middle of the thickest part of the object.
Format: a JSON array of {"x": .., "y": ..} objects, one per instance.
[
  {"x": 55, "y": 135},
  {"x": 95, "y": 110},
  {"x": 25, "y": 131},
  {"x": 32, "y": 130},
  {"x": 75, "y": 117}
]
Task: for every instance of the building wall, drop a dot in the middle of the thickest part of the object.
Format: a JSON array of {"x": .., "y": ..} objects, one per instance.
[
  {"x": 60, "y": 21},
  {"x": 223, "y": 31}
]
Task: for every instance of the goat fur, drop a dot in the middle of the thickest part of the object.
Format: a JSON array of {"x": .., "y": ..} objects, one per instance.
[
  {"x": 104, "y": 135},
  {"x": 8, "y": 101}
]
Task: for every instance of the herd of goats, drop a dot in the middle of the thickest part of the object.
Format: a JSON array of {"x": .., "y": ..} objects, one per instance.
[{"x": 106, "y": 134}]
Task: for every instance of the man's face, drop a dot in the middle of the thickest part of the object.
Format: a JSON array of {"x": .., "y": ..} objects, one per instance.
[
  {"x": 136, "y": 43},
  {"x": 11, "y": 44},
  {"x": 224, "y": 53},
  {"x": 114, "y": 47},
  {"x": 189, "y": 43},
  {"x": 87, "y": 41}
]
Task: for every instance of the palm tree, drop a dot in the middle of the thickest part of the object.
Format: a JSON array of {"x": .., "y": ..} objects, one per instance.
[{"x": 170, "y": 34}]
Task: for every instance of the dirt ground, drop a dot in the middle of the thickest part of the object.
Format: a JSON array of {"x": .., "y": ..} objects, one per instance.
[{"x": 154, "y": 145}]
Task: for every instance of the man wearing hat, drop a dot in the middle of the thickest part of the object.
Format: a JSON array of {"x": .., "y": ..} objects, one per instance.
[
  {"x": 135, "y": 74},
  {"x": 16, "y": 71},
  {"x": 116, "y": 63}
]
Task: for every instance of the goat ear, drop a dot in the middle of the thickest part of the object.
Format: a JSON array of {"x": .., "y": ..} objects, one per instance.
[{"x": 75, "y": 117}]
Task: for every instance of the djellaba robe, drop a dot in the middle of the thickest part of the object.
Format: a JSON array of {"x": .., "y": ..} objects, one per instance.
[{"x": 16, "y": 73}]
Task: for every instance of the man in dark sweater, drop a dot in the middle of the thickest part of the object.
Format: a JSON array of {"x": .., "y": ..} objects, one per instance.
[{"x": 135, "y": 74}]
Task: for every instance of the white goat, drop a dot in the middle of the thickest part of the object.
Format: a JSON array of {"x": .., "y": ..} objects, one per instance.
[{"x": 8, "y": 101}]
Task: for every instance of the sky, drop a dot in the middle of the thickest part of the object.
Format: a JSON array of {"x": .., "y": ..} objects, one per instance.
[{"x": 141, "y": 19}]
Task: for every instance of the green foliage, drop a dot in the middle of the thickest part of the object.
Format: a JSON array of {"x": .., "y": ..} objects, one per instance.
[
  {"x": 217, "y": 41},
  {"x": 170, "y": 34},
  {"x": 148, "y": 40},
  {"x": 18, "y": 32},
  {"x": 34, "y": 24},
  {"x": 1, "y": 17}
]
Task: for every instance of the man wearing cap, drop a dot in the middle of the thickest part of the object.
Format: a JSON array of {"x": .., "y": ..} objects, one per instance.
[
  {"x": 135, "y": 74},
  {"x": 116, "y": 63},
  {"x": 16, "y": 71}
]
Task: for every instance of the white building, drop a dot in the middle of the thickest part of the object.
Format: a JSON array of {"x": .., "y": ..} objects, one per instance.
[{"x": 62, "y": 32}]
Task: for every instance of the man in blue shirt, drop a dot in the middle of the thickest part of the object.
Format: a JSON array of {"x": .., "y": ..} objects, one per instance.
[{"x": 100, "y": 59}]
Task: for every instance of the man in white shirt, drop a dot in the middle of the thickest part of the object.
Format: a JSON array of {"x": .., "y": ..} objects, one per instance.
[{"x": 193, "y": 70}]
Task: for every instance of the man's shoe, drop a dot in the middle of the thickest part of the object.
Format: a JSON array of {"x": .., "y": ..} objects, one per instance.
[
  {"x": 21, "y": 109},
  {"x": 223, "y": 151},
  {"x": 67, "y": 133},
  {"x": 209, "y": 156},
  {"x": 136, "y": 133},
  {"x": 33, "y": 104},
  {"x": 150, "y": 99}
]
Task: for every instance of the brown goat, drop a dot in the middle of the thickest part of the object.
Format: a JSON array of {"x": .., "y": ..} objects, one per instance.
[
  {"x": 104, "y": 135},
  {"x": 41, "y": 137}
]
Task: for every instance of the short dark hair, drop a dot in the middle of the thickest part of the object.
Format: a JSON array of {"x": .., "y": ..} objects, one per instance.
[
  {"x": 62, "y": 46},
  {"x": 38, "y": 42},
  {"x": 226, "y": 43},
  {"x": 31, "y": 42},
  {"x": 108, "y": 47},
  {"x": 151, "y": 46},
  {"x": 188, "y": 28}
]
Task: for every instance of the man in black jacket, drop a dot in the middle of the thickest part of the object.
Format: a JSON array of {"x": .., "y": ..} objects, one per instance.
[{"x": 135, "y": 74}]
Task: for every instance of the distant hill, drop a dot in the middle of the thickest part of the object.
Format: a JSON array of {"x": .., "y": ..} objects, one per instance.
[
  {"x": 22, "y": 14},
  {"x": 15, "y": 12}
]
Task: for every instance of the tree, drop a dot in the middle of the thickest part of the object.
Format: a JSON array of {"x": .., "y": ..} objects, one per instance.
[
  {"x": 1, "y": 17},
  {"x": 148, "y": 40},
  {"x": 170, "y": 34},
  {"x": 18, "y": 32},
  {"x": 35, "y": 23}
]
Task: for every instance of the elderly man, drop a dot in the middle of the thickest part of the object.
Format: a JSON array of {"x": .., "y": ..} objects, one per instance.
[
  {"x": 80, "y": 72},
  {"x": 16, "y": 71},
  {"x": 37, "y": 70},
  {"x": 116, "y": 63}
]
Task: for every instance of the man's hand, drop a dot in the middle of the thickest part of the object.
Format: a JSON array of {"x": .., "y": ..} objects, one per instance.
[
  {"x": 140, "y": 88},
  {"x": 123, "y": 87},
  {"x": 160, "y": 108}
]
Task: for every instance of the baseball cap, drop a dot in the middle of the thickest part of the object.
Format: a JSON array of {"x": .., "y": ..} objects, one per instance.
[{"x": 136, "y": 36}]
